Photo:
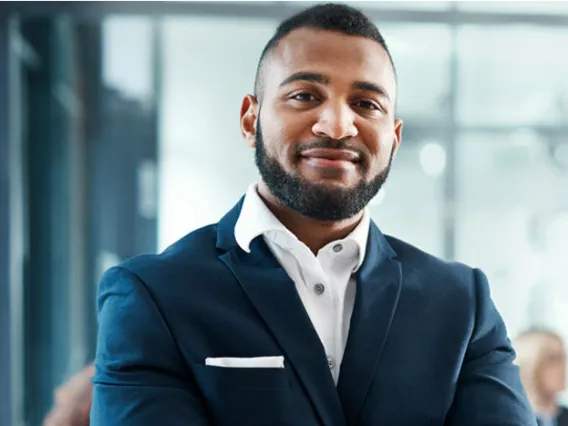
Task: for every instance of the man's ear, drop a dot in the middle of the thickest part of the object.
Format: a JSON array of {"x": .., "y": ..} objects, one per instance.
[
  {"x": 249, "y": 117},
  {"x": 397, "y": 135}
]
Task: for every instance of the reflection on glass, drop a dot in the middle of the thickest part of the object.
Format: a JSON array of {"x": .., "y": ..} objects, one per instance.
[
  {"x": 512, "y": 222},
  {"x": 127, "y": 56},
  {"x": 395, "y": 4},
  {"x": 512, "y": 75},
  {"x": 528, "y": 7},
  {"x": 205, "y": 166},
  {"x": 421, "y": 55},
  {"x": 411, "y": 204},
  {"x": 433, "y": 158}
]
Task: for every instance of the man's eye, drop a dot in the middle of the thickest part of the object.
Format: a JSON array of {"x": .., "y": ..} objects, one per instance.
[
  {"x": 304, "y": 97},
  {"x": 367, "y": 105}
]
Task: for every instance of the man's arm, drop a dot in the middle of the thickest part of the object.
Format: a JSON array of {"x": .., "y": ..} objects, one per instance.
[
  {"x": 489, "y": 390},
  {"x": 140, "y": 376}
]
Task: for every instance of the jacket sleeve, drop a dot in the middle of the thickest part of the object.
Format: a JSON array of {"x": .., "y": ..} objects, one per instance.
[
  {"x": 489, "y": 390},
  {"x": 140, "y": 376}
]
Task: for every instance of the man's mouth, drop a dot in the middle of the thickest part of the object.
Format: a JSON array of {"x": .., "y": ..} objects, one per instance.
[{"x": 335, "y": 158}]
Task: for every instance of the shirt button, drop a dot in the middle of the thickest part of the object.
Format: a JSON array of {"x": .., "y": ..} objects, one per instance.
[
  {"x": 330, "y": 362},
  {"x": 319, "y": 288},
  {"x": 337, "y": 248}
]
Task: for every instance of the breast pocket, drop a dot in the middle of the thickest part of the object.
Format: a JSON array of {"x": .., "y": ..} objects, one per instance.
[{"x": 246, "y": 396}]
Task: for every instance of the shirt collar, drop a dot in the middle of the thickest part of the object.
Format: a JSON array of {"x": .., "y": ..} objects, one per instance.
[
  {"x": 256, "y": 219},
  {"x": 360, "y": 235}
]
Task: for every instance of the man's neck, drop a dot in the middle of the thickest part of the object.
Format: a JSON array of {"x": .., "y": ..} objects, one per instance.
[{"x": 314, "y": 233}]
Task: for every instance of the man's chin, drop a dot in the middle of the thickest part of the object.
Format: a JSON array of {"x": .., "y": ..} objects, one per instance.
[{"x": 333, "y": 185}]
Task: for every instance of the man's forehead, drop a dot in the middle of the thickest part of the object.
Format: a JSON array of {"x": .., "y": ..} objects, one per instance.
[
  {"x": 340, "y": 58},
  {"x": 332, "y": 52}
]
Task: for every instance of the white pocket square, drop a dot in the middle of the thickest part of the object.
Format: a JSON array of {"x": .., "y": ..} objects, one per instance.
[{"x": 256, "y": 362}]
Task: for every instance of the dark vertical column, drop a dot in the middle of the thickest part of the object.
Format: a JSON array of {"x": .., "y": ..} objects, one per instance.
[
  {"x": 121, "y": 150},
  {"x": 5, "y": 223},
  {"x": 89, "y": 63},
  {"x": 12, "y": 244},
  {"x": 49, "y": 116},
  {"x": 122, "y": 155}
]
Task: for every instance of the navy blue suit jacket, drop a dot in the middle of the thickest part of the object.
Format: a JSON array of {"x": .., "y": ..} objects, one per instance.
[{"x": 426, "y": 345}]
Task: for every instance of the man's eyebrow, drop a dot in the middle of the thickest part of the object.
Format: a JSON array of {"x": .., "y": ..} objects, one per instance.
[
  {"x": 305, "y": 76},
  {"x": 322, "y": 79},
  {"x": 371, "y": 87}
]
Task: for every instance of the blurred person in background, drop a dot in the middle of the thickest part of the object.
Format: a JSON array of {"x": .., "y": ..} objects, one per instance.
[
  {"x": 541, "y": 356},
  {"x": 295, "y": 309},
  {"x": 72, "y": 401}
]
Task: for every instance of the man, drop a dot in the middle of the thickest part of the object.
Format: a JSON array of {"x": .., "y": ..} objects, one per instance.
[
  {"x": 541, "y": 357},
  {"x": 295, "y": 309}
]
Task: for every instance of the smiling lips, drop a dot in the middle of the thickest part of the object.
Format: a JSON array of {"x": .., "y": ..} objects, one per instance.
[{"x": 334, "y": 158}]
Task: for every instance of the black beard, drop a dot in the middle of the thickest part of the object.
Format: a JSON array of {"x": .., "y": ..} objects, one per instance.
[{"x": 312, "y": 200}]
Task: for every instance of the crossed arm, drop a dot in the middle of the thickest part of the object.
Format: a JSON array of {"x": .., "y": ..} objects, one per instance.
[
  {"x": 140, "y": 379},
  {"x": 489, "y": 392}
]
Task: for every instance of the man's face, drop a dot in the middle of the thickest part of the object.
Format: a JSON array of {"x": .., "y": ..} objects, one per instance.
[
  {"x": 552, "y": 369},
  {"x": 326, "y": 134}
]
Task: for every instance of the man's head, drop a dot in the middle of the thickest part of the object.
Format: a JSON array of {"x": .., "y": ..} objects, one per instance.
[
  {"x": 541, "y": 357},
  {"x": 328, "y": 17},
  {"x": 322, "y": 118}
]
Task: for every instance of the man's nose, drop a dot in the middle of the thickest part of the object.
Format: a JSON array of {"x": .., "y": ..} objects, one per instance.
[{"x": 336, "y": 121}]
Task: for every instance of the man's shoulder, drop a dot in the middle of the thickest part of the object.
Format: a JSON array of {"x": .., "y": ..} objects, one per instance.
[
  {"x": 192, "y": 254},
  {"x": 414, "y": 256},
  {"x": 176, "y": 281},
  {"x": 426, "y": 267}
]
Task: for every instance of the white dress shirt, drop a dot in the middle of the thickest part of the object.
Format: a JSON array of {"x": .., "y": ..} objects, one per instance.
[{"x": 326, "y": 282}]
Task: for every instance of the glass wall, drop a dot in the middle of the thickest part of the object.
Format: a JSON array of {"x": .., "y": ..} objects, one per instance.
[
  {"x": 204, "y": 164},
  {"x": 86, "y": 134},
  {"x": 525, "y": 7},
  {"x": 512, "y": 176},
  {"x": 399, "y": 5}
]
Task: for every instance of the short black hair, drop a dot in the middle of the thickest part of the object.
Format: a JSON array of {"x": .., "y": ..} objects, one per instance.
[{"x": 331, "y": 17}]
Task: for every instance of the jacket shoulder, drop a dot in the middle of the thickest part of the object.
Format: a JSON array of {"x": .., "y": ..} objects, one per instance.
[
  {"x": 451, "y": 281},
  {"x": 420, "y": 263},
  {"x": 193, "y": 255}
]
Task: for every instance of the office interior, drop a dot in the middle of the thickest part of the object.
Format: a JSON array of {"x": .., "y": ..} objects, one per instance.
[{"x": 119, "y": 134}]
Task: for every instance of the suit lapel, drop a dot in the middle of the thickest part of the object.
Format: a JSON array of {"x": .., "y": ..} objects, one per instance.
[
  {"x": 275, "y": 298},
  {"x": 379, "y": 284},
  {"x": 563, "y": 417}
]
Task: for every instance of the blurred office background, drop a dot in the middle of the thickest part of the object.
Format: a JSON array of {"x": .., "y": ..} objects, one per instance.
[{"x": 119, "y": 133}]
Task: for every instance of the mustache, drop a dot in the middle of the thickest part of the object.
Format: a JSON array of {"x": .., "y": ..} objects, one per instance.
[{"x": 326, "y": 143}]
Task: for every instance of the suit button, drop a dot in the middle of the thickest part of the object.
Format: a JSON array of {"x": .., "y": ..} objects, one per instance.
[{"x": 330, "y": 362}]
